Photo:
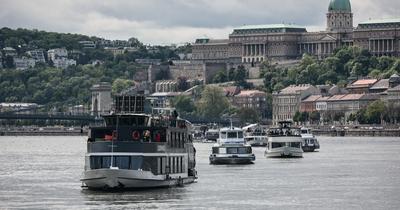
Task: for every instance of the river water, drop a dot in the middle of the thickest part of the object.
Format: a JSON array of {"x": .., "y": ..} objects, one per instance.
[{"x": 347, "y": 173}]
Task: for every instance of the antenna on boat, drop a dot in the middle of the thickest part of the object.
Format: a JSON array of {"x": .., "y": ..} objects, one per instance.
[{"x": 112, "y": 144}]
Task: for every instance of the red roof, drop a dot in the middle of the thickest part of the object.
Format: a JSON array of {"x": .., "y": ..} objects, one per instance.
[
  {"x": 362, "y": 83},
  {"x": 381, "y": 84},
  {"x": 312, "y": 98},
  {"x": 250, "y": 93},
  {"x": 295, "y": 88}
]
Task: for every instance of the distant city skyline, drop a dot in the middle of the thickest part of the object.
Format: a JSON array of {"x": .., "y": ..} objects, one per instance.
[{"x": 176, "y": 21}]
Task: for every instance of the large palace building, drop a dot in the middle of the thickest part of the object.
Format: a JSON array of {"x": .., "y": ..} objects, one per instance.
[{"x": 255, "y": 43}]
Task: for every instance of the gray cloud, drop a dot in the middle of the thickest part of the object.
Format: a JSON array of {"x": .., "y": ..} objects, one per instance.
[{"x": 174, "y": 21}]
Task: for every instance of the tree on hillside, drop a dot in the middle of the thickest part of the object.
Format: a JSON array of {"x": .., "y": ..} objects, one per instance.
[
  {"x": 240, "y": 76},
  {"x": 121, "y": 84},
  {"x": 375, "y": 112},
  {"x": 213, "y": 102},
  {"x": 220, "y": 77},
  {"x": 183, "y": 104},
  {"x": 314, "y": 117},
  {"x": 248, "y": 115},
  {"x": 183, "y": 84}
]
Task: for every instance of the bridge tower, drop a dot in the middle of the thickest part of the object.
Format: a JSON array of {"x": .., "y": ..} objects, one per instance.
[{"x": 101, "y": 99}]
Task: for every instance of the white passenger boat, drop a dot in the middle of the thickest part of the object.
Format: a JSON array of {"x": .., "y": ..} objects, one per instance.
[
  {"x": 211, "y": 135},
  {"x": 231, "y": 148},
  {"x": 284, "y": 141},
  {"x": 310, "y": 142},
  {"x": 255, "y": 135}
]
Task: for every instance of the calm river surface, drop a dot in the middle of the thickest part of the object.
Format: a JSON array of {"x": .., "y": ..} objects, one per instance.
[{"x": 347, "y": 173}]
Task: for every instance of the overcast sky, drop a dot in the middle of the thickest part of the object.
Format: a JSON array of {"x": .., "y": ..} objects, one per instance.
[{"x": 175, "y": 21}]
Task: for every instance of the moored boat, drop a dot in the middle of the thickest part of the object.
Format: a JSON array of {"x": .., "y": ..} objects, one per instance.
[
  {"x": 255, "y": 135},
  {"x": 310, "y": 142},
  {"x": 139, "y": 151},
  {"x": 231, "y": 148},
  {"x": 284, "y": 141}
]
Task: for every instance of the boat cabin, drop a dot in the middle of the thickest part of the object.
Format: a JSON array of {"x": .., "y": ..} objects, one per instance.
[
  {"x": 141, "y": 128},
  {"x": 284, "y": 129},
  {"x": 231, "y": 136}
]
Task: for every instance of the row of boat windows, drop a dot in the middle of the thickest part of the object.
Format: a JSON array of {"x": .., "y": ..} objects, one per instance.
[
  {"x": 285, "y": 144},
  {"x": 178, "y": 139},
  {"x": 231, "y": 135},
  {"x": 232, "y": 150},
  {"x": 157, "y": 165}
]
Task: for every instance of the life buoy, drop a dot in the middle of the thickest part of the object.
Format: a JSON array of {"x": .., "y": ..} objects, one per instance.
[
  {"x": 135, "y": 135},
  {"x": 157, "y": 137}
]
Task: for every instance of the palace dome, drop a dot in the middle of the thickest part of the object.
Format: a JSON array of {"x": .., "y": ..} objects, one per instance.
[{"x": 340, "y": 5}]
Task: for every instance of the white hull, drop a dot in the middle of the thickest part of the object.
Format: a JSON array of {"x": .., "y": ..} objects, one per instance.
[
  {"x": 284, "y": 152},
  {"x": 257, "y": 143},
  {"x": 129, "y": 179},
  {"x": 256, "y": 140}
]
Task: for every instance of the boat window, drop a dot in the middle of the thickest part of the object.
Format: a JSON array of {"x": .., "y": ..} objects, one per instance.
[
  {"x": 150, "y": 164},
  {"x": 242, "y": 150},
  {"x": 95, "y": 162},
  {"x": 232, "y": 150},
  {"x": 240, "y": 134},
  {"x": 106, "y": 162},
  {"x": 136, "y": 162},
  {"x": 223, "y": 135},
  {"x": 295, "y": 144},
  {"x": 169, "y": 167},
  {"x": 215, "y": 150},
  {"x": 222, "y": 150},
  {"x": 277, "y": 144},
  {"x": 304, "y": 131},
  {"x": 232, "y": 135},
  {"x": 181, "y": 164},
  {"x": 175, "y": 164},
  {"x": 125, "y": 121},
  {"x": 161, "y": 165},
  {"x": 121, "y": 162}
]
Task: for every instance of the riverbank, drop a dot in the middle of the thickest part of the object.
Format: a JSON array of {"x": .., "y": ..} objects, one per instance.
[
  {"x": 84, "y": 132},
  {"x": 358, "y": 132},
  {"x": 43, "y": 133}
]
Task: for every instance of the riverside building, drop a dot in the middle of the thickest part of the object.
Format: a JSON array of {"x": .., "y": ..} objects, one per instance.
[{"x": 256, "y": 43}]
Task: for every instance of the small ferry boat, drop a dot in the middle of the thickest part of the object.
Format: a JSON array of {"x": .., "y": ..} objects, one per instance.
[
  {"x": 284, "y": 141},
  {"x": 139, "y": 151},
  {"x": 310, "y": 142},
  {"x": 211, "y": 135},
  {"x": 231, "y": 148},
  {"x": 255, "y": 135}
]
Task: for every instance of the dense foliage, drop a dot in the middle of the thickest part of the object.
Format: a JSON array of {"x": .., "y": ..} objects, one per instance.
[
  {"x": 23, "y": 40},
  {"x": 213, "y": 103},
  {"x": 376, "y": 113},
  {"x": 345, "y": 63},
  {"x": 60, "y": 88}
]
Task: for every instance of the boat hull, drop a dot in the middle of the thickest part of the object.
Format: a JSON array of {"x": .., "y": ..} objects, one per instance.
[
  {"x": 231, "y": 159},
  {"x": 310, "y": 147},
  {"x": 284, "y": 152},
  {"x": 257, "y": 143},
  {"x": 108, "y": 179}
]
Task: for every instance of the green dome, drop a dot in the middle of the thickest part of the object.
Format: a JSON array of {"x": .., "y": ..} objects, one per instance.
[{"x": 340, "y": 5}]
